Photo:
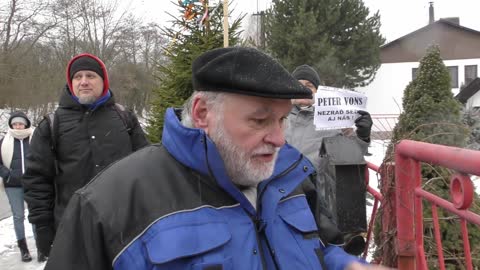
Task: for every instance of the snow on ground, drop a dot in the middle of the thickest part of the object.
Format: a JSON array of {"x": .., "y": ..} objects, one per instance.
[
  {"x": 4, "y": 115},
  {"x": 9, "y": 252},
  {"x": 377, "y": 150}
]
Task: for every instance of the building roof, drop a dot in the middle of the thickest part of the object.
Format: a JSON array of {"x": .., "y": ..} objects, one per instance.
[
  {"x": 455, "y": 42},
  {"x": 468, "y": 91},
  {"x": 429, "y": 26}
]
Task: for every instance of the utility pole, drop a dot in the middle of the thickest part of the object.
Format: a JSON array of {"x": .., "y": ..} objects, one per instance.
[
  {"x": 225, "y": 23},
  {"x": 260, "y": 28}
]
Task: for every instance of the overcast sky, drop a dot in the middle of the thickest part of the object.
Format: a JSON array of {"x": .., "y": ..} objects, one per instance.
[{"x": 398, "y": 17}]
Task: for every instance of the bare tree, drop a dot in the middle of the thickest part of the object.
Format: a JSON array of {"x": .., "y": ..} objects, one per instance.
[
  {"x": 38, "y": 37},
  {"x": 23, "y": 25},
  {"x": 133, "y": 73},
  {"x": 24, "y": 21}
]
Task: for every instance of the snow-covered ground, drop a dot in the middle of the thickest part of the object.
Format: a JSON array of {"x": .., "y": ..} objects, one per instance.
[
  {"x": 9, "y": 252},
  {"x": 377, "y": 150},
  {"x": 4, "y": 115}
]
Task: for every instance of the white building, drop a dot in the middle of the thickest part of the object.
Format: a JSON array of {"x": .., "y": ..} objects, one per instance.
[
  {"x": 459, "y": 48},
  {"x": 470, "y": 95}
]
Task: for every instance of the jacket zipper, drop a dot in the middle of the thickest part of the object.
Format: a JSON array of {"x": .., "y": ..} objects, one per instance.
[
  {"x": 22, "y": 156},
  {"x": 257, "y": 222},
  {"x": 253, "y": 218},
  {"x": 259, "y": 225}
]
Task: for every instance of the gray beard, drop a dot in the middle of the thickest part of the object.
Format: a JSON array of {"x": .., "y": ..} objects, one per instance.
[
  {"x": 87, "y": 100},
  {"x": 238, "y": 164}
]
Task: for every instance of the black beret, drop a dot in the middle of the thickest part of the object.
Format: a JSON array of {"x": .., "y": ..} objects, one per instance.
[
  {"x": 306, "y": 72},
  {"x": 245, "y": 71},
  {"x": 86, "y": 63}
]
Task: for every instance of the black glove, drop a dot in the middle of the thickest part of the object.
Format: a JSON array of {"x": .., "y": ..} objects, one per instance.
[
  {"x": 364, "y": 126},
  {"x": 45, "y": 236}
]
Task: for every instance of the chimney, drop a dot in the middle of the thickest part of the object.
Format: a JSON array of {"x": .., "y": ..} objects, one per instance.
[{"x": 431, "y": 14}]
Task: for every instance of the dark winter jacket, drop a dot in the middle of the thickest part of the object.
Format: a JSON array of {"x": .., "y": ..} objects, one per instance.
[
  {"x": 301, "y": 134},
  {"x": 86, "y": 142},
  {"x": 174, "y": 207},
  {"x": 12, "y": 174}
]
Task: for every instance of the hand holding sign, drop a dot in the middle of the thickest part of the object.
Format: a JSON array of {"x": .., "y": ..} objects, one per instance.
[
  {"x": 338, "y": 108},
  {"x": 364, "y": 125}
]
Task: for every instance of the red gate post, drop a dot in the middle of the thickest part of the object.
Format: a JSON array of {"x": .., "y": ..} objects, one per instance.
[
  {"x": 405, "y": 177},
  {"x": 388, "y": 215}
]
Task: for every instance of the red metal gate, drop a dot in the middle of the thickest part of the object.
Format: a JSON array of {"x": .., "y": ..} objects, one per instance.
[{"x": 410, "y": 195}]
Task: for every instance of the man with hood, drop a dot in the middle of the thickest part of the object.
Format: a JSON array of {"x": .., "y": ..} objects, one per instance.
[
  {"x": 87, "y": 133},
  {"x": 222, "y": 191}
]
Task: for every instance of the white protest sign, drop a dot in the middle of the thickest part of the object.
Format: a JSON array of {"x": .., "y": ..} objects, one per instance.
[{"x": 337, "y": 108}]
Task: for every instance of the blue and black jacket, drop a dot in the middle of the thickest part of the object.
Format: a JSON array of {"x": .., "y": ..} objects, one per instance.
[{"x": 172, "y": 206}]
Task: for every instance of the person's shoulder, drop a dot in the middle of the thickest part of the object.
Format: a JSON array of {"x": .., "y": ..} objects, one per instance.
[
  {"x": 147, "y": 156},
  {"x": 129, "y": 168},
  {"x": 45, "y": 125},
  {"x": 129, "y": 175}
]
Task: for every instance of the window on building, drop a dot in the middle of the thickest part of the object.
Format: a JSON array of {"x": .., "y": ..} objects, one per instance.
[
  {"x": 454, "y": 76},
  {"x": 414, "y": 73},
  {"x": 470, "y": 73}
]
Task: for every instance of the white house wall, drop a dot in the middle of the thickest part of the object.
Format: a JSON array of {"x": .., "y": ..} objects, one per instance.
[
  {"x": 473, "y": 101},
  {"x": 386, "y": 90}
]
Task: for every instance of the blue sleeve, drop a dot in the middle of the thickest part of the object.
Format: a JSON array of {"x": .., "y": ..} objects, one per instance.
[{"x": 337, "y": 259}]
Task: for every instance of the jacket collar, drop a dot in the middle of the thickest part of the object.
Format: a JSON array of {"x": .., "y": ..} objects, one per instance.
[{"x": 194, "y": 149}]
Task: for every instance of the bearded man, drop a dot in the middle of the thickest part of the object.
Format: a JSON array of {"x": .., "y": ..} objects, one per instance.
[
  {"x": 222, "y": 191},
  {"x": 86, "y": 133}
]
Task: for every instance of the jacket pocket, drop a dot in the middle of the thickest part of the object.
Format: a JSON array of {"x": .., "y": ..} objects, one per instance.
[
  {"x": 195, "y": 246},
  {"x": 303, "y": 222},
  {"x": 296, "y": 249}
]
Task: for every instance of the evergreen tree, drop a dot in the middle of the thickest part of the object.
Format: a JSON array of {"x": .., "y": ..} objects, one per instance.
[
  {"x": 189, "y": 38},
  {"x": 431, "y": 114},
  {"x": 336, "y": 37},
  {"x": 471, "y": 118}
]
